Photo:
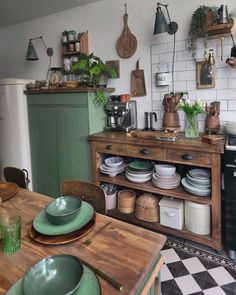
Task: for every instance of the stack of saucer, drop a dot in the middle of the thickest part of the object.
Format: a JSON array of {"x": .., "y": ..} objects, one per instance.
[
  {"x": 197, "y": 182},
  {"x": 113, "y": 166},
  {"x": 139, "y": 171},
  {"x": 165, "y": 176}
]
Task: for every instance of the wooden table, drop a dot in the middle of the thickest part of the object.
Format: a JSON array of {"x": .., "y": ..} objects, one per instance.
[{"x": 124, "y": 251}]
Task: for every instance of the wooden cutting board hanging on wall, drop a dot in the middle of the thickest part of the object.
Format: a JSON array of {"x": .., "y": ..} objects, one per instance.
[
  {"x": 126, "y": 44},
  {"x": 138, "y": 87}
]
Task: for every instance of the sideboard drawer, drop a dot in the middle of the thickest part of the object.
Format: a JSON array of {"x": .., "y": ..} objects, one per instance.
[
  {"x": 190, "y": 157},
  {"x": 145, "y": 152},
  {"x": 111, "y": 148}
]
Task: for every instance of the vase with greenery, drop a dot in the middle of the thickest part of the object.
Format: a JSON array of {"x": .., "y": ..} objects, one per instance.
[
  {"x": 199, "y": 27},
  {"x": 191, "y": 109},
  {"x": 92, "y": 70}
]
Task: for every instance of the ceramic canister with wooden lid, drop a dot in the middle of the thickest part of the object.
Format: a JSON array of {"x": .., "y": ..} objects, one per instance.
[{"x": 126, "y": 201}]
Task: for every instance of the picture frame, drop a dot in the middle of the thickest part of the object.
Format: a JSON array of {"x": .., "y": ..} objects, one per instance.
[
  {"x": 116, "y": 65},
  {"x": 205, "y": 75}
]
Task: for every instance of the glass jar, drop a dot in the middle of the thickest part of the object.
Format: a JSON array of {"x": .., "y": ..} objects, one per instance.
[
  {"x": 64, "y": 37},
  {"x": 71, "y": 35}
]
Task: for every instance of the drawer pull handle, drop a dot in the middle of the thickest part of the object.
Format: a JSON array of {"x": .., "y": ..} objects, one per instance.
[
  {"x": 109, "y": 147},
  {"x": 169, "y": 214},
  {"x": 188, "y": 157},
  {"x": 145, "y": 152}
]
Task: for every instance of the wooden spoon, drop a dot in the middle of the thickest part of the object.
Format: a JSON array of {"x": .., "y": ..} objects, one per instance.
[{"x": 126, "y": 44}]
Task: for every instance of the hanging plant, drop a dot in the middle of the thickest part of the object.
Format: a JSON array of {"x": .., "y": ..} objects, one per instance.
[{"x": 198, "y": 28}]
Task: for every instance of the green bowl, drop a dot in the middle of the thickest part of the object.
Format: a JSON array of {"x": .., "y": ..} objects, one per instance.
[
  {"x": 53, "y": 275},
  {"x": 63, "y": 210}
]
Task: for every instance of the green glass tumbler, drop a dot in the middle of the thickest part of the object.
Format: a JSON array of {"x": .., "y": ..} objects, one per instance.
[{"x": 11, "y": 234}]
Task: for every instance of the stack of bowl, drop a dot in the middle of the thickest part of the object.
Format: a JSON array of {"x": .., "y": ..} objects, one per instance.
[
  {"x": 165, "y": 176},
  {"x": 139, "y": 171},
  {"x": 113, "y": 166},
  {"x": 197, "y": 182}
]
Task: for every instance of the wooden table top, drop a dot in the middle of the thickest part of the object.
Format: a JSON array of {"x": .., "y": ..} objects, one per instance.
[{"x": 123, "y": 251}]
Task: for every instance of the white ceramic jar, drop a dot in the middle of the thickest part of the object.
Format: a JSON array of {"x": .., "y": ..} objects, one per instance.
[
  {"x": 198, "y": 218},
  {"x": 171, "y": 212}
]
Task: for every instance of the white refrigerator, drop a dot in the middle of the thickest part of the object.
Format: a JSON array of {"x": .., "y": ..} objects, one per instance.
[{"x": 14, "y": 131}]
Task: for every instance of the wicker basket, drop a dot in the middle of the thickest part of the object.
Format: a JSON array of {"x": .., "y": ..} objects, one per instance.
[
  {"x": 126, "y": 201},
  {"x": 146, "y": 208}
]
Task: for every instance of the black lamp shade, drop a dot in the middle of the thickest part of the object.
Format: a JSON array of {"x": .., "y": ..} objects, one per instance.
[
  {"x": 31, "y": 53},
  {"x": 160, "y": 22}
]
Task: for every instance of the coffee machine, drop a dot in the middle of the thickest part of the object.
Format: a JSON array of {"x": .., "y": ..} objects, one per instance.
[{"x": 121, "y": 116}]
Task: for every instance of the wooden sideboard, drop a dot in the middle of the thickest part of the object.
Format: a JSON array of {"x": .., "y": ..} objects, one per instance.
[{"x": 182, "y": 153}]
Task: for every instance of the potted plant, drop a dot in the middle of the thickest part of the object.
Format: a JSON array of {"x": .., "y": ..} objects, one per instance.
[
  {"x": 94, "y": 72},
  {"x": 199, "y": 27}
]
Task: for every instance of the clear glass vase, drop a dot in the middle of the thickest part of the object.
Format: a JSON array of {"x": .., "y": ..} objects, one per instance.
[{"x": 191, "y": 129}]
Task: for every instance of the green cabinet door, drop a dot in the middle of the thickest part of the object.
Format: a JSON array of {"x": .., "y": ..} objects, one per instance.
[
  {"x": 59, "y": 126},
  {"x": 73, "y": 146},
  {"x": 44, "y": 150}
]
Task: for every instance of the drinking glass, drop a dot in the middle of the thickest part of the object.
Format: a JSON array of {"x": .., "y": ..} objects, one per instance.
[{"x": 11, "y": 234}]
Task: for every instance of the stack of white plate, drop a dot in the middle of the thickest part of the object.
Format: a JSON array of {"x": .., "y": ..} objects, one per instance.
[
  {"x": 139, "y": 171},
  {"x": 198, "y": 182},
  {"x": 165, "y": 176},
  {"x": 113, "y": 166}
]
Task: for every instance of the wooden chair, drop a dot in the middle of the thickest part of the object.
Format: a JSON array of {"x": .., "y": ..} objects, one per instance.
[
  {"x": 87, "y": 191},
  {"x": 16, "y": 175}
]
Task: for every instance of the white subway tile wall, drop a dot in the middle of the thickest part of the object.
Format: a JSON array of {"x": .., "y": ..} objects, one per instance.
[{"x": 185, "y": 79}]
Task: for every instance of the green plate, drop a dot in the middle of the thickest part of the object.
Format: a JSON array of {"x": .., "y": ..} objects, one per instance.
[
  {"x": 42, "y": 225},
  {"x": 144, "y": 166},
  {"x": 89, "y": 284}
]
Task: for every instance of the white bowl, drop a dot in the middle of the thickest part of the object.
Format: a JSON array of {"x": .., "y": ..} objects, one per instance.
[
  {"x": 139, "y": 176},
  {"x": 165, "y": 169},
  {"x": 113, "y": 161},
  {"x": 138, "y": 180}
]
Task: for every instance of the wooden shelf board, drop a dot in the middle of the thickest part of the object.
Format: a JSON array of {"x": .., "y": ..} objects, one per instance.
[
  {"x": 220, "y": 29},
  {"x": 71, "y": 53},
  {"x": 80, "y": 89},
  {"x": 184, "y": 233},
  {"x": 178, "y": 193}
]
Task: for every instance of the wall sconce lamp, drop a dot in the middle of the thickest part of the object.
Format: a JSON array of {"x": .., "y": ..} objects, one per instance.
[
  {"x": 32, "y": 55},
  {"x": 161, "y": 25}
]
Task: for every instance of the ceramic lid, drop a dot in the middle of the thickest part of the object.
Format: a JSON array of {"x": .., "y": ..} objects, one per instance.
[{"x": 169, "y": 202}]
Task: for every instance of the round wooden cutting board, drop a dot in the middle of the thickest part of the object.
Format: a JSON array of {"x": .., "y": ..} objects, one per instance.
[{"x": 126, "y": 44}]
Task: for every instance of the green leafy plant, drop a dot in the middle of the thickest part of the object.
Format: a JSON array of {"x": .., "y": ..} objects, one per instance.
[
  {"x": 91, "y": 70},
  {"x": 191, "y": 109},
  {"x": 198, "y": 28}
]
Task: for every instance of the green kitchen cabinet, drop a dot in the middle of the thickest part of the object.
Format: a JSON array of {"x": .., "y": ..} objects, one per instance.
[{"x": 59, "y": 125}]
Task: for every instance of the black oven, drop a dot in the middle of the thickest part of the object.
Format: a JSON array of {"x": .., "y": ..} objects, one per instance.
[{"x": 230, "y": 196}]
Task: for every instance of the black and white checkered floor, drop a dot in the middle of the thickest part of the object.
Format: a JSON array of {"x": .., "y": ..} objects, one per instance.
[{"x": 189, "y": 270}]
